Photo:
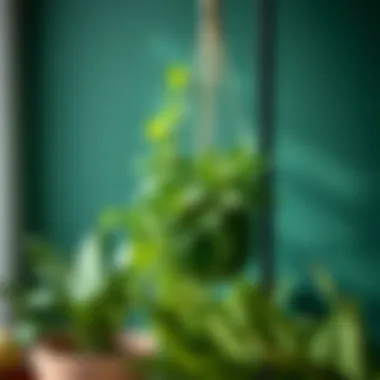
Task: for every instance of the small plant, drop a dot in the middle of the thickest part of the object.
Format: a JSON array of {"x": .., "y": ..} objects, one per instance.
[{"x": 85, "y": 296}]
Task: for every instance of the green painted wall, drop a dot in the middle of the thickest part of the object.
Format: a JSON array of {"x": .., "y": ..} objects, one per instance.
[
  {"x": 97, "y": 71},
  {"x": 328, "y": 143},
  {"x": 95, "y": 74},
  {"x": 328, "y": 151}
]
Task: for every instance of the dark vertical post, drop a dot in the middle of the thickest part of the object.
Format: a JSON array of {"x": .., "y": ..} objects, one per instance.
[{"x": 266, "y": 83}]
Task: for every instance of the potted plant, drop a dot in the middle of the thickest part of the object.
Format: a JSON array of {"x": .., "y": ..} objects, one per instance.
[{"x": 72, "y": 311}]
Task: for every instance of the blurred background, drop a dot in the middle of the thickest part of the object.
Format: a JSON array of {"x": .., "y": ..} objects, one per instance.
[{"x": 91, "y": 71}]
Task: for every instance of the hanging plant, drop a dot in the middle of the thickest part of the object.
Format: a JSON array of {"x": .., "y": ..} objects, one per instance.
[{"x": 197, "y": 211}]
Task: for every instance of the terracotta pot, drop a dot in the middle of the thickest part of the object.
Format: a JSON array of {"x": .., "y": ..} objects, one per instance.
[{"x": 56, "y": 359}]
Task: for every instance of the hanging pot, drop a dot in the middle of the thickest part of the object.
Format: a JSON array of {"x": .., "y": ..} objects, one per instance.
[{"x": 221, "y": 250}]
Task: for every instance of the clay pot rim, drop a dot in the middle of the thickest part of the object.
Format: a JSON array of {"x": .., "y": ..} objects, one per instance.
[
  {"x": 79, "y": 357},
  {"x": 126, "y": 346},
  {"x": 63, "y": 345}
]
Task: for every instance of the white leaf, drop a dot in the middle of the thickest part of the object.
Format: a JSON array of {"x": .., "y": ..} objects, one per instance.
[{"x": 87, "y": 274}]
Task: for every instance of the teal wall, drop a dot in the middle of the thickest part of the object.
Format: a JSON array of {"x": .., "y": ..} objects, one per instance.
[
  {"x": 95, "y": 74},
  {"x": 328, "y": 139},
  {"x": 329, "y": 143},
  {"x": 97, "y": 69}
]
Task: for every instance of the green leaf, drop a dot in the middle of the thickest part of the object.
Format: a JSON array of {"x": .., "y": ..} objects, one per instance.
[
  {"x": 325, "y": 284},
  {"x": 113, "y": 219},
  {"x": 338, "y": 343}
]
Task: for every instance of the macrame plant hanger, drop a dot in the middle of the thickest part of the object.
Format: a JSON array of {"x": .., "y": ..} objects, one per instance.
[
  {"x": 213, "y": 70},
  {"x": 211, "y": 58},
  {"x": 216, "y": 75},
  {"x": 266, "y": 21}
]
